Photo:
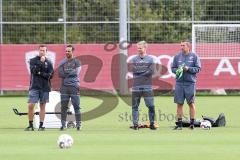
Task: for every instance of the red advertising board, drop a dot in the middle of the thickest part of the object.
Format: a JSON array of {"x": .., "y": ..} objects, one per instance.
[{"x": 100, "y": 64}]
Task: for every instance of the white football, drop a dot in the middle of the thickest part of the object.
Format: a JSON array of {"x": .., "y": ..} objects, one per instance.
[
  {"x": 65, "y": 141},
  {"x": 205, "y": 124}
]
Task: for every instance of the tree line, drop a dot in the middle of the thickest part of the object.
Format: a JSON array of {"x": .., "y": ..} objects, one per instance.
[{"x": 168, "y": 12}]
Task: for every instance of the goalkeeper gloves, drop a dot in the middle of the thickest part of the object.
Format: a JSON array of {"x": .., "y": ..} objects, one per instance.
[{"x": 179, "y": 71}]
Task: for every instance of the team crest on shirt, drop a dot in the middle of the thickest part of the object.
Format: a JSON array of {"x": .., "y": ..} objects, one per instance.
[{"x": 180, "y": 59}]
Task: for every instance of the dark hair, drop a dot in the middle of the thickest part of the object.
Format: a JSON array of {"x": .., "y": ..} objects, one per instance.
[
  {"x": 71, "y": 46},
  {"x": 42, "y": 45}
]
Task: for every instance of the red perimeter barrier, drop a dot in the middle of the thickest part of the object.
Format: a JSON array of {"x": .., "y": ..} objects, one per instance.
[{"x": 101, "y": 67}]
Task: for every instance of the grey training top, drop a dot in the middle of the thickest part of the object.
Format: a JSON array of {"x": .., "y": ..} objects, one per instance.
[
  {"x": 143, "y": 69},
  {"x": 69, "y": 71},
  {"x": 192, "y": 61}
]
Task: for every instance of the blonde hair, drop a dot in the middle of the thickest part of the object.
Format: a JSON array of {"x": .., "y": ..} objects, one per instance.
[
  {"x": 142, "y": 43},
  {"x": 188, "y": 43}
]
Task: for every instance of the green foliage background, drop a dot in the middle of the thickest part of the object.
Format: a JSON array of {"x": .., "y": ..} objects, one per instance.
[{"x": 169, "y": 12}]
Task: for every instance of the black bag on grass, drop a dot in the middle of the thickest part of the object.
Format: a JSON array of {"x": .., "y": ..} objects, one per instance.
[{"x": 219, "y": 122}]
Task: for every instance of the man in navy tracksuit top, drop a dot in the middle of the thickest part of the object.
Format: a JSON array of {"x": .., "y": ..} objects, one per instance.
[
  {"x": 41, "y": 73},
  {"x": 69, "y": 70},
  {"x": 189, "y": 63},
  {"x": 143, "y": 69}
]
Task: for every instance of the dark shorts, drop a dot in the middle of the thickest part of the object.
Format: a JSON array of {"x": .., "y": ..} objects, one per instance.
[
  {"x": 35, "y": 96},
  {"x": 186, "y": 91}
]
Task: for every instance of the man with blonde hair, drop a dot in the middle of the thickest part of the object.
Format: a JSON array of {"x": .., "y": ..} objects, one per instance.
[{"x": 143, "y": 69}]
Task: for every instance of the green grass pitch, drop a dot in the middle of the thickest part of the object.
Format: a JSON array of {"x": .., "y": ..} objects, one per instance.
[{"x": 109, "y": 137}]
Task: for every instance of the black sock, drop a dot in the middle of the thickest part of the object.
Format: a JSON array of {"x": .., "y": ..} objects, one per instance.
[
  {"x": 30, "y": 123},
  {"x": 40, "y": 124},
  {"x": 192, "y": 120},
  {"x": 78, "y": 119},
  {"x": 180, "y": 122}
]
